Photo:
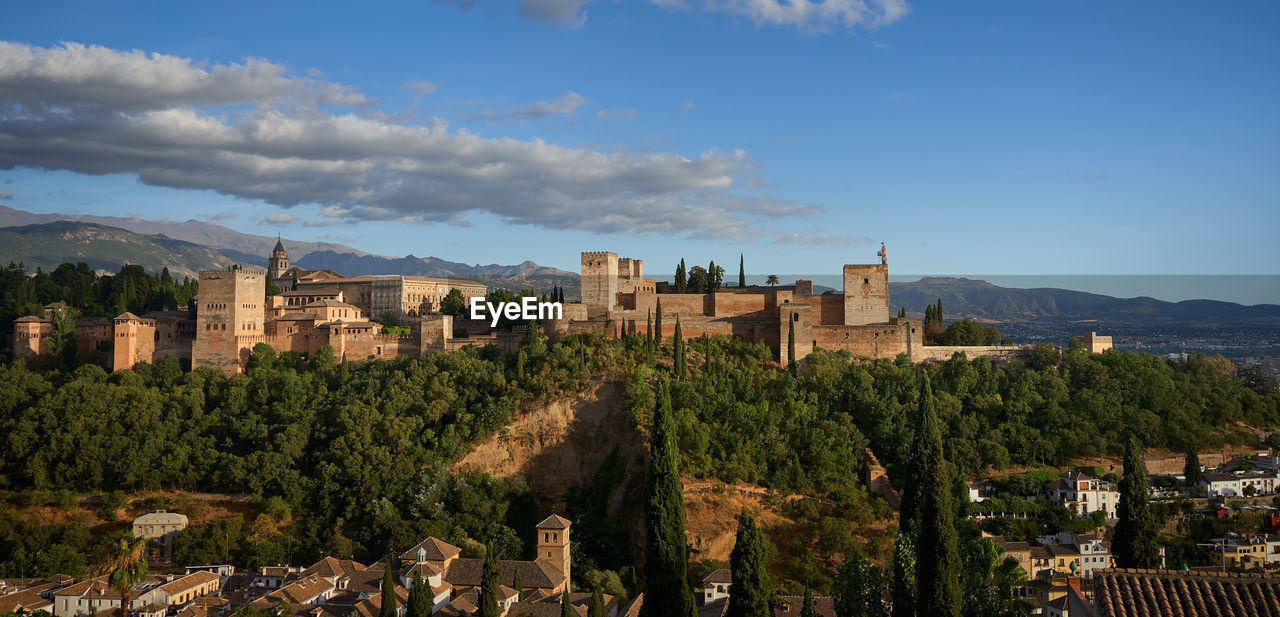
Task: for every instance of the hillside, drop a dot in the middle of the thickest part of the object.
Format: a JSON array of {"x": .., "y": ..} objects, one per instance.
[
  {"x": 104, "y": 248},
  {"x": 981, "y": 300},
  {"x": 234, "y": 243}
]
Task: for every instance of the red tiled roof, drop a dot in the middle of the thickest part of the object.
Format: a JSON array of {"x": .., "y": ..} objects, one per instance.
[{"x": 1152, "y": 593}]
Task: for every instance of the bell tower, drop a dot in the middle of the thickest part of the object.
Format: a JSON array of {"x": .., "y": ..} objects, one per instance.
[
  {"x": 553, "y": 543},
  {"x": 278, "y": 264}
]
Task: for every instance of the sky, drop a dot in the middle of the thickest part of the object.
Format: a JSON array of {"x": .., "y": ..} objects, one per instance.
[{"x": 969, "y": 137}]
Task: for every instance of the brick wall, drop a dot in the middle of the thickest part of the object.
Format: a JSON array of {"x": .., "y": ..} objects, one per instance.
[{"x": 866, "y": 294}]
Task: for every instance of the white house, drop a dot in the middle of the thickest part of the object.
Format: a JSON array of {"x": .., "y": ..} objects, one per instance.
[
  {"x": 1084, "y": 493},
  {"x": 1234, "y": 484},
  {"x": 716, "y": 585}
]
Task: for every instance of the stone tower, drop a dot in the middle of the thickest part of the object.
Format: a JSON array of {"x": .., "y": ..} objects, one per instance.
[
  {"x": 279, "y": 262},
  {"x": 553, "y": 543},
  {"x": 866, "y": 294},
  {"x": 229, "y": 317},
  {"x": 599, "y": 282}
]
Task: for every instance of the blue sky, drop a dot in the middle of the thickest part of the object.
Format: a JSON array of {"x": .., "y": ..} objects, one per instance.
[{"x": 971, "y": 138}]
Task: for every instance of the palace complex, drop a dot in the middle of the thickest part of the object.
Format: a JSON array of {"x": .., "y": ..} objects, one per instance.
[
  {"x": 232, "y": 313},
  {"x": 315, "y": 308},
  {"x": 617, "y": 299}
]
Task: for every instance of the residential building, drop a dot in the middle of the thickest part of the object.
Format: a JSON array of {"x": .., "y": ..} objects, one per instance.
[
  {"x": 715, "y": 585},
  {"x": 159, "y": 528},
  {"x": 1235, "y": 484},
  {"x": 1083, "y": 494}
]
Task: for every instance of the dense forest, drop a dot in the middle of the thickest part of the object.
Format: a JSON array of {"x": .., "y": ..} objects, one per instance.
[{"x": 351, "y": 459}]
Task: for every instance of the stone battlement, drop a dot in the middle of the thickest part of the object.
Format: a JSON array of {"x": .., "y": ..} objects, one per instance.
[{"x": 233, "y": 271}]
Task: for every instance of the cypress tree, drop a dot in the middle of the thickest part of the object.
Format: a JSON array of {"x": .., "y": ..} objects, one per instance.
[
  {"x": 388, "y": 592},
  {"x": 517, "y": 584},
  {"x": 489, "y": 590},
  {"x": 657, "y": 325},
  {"x": 566, "y": 608},
  {"x": 682, "y": 279},
  {"x": 751, "y": 593},
  {"x": 420, "y": 599},
  {"x": 678, "y": 350},
  {"x": 903, "y": 585},
  {"x": 520, "y": 364},
  {"x": 712, "y": 283},
  {"x": 1136, "y": 532},
  {"x": 742, "y": 272},
  {"x": 806, "y": 607},
  {"x": 937, "y": 557},
  {"x": 791, "y": 345},
  {"x": 666, "y": 566},
  {"x": 596, "y": 608},
  {"x": 1191, "y": 470}
]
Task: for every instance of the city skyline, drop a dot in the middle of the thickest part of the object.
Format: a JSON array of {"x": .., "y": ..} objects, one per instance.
[{"x": 1130, "y": 142}]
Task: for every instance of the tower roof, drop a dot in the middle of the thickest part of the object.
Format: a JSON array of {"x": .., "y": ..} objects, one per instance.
[
  {"x": 279, "y": 246},
  {"x": 555, "y": 521}
]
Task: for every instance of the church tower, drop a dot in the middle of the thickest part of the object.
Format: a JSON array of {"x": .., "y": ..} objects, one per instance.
[
  {"x": 278, "y": 264},
  {"x": 553, "y": 543}
]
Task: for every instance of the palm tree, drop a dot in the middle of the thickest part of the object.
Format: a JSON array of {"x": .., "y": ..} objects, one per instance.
[
  {"x": 125, "y": 565},
  {"x": 991, "y": 580},
  {"x": 772, "y": 280}
]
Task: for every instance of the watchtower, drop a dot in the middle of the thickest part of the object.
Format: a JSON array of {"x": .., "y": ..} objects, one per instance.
[
  {"x": 230, "y": 306},
  {"x": 599, "y": 281},
  {"x": 866, "y": 294},
  {"x": 553, "y": 543}
]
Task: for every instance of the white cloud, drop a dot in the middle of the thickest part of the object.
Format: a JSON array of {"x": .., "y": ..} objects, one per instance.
[
  {"x": 800, "y": 238},
  {"x": 686, "y": 107},
  {"x": 566, "y": 103},
  {"x": 93, "y": 110},
  {"x": 5, "y": 194},
  {"x": 809, "y": 15},
  {"x": 558, "y": 12},
  {"x": 419, "y": 87},
  {"x": 616, "y": 114},
  {"x": 218, "y": 217},
  {"x": 277, "y": 218},
  {"x": 815, "y": 15}
]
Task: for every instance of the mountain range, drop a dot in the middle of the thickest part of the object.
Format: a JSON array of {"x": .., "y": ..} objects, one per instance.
[
  {"x": 106, "y": 243},
  {"x": 962, "y": 297},
  {"x": 185, "y": 248}
]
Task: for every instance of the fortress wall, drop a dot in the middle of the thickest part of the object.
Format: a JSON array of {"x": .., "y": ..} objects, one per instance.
[
  {"x": 674, "y": 304},
  {"x": 739, "y": 305},
  {"x": 829, "y": 309},
  {"x": 871, "y": 341},
  {"x": 599, "y": 282},
  {"x": 942, "y": 353}
]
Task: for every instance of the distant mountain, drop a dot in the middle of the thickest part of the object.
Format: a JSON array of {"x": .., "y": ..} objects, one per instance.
[
  {"x": 49, "y": 245},
  {"x": 527, "y": 274},
  {"x": 196, "y": 232},
  {"x": 981, "y": 300}
]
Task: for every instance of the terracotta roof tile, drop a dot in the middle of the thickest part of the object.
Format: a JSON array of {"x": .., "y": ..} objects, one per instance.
[{"x": 1143, "y": 593}]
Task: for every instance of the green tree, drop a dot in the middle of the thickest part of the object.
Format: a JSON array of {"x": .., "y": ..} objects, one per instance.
[
  {"x": 388, "y": 591},
  {"x": 990, "y": 582},
  {"x": 682, "y": 280},
  {"x": 859, "y": 588},
  {"x": 657, "y": 324},
  {"x": 566, "y": 607},
  {"x": 1134, "y": 543},
  {"x": 903, "y": 586},
  {"x": 489, "y": 589},
  {"x": 125, "y": 566},
  {"x": 62, "y": 330},
  {"x": 772, "y": 280},
  {"x": 678, "y": 352},
  {"x": 1191, "y": 470},
  {"x": 596, "y": 608},
  {"x": 420, "y": 599},
  {"x": 666, "y": 554},
  {"x": 742, "y": 271},
  {"x": 453, "y": 303},
  {"x": 517, "y": 584},
  {"x": 751, "y": 590},
  {"x": 937, "y": 558}
]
